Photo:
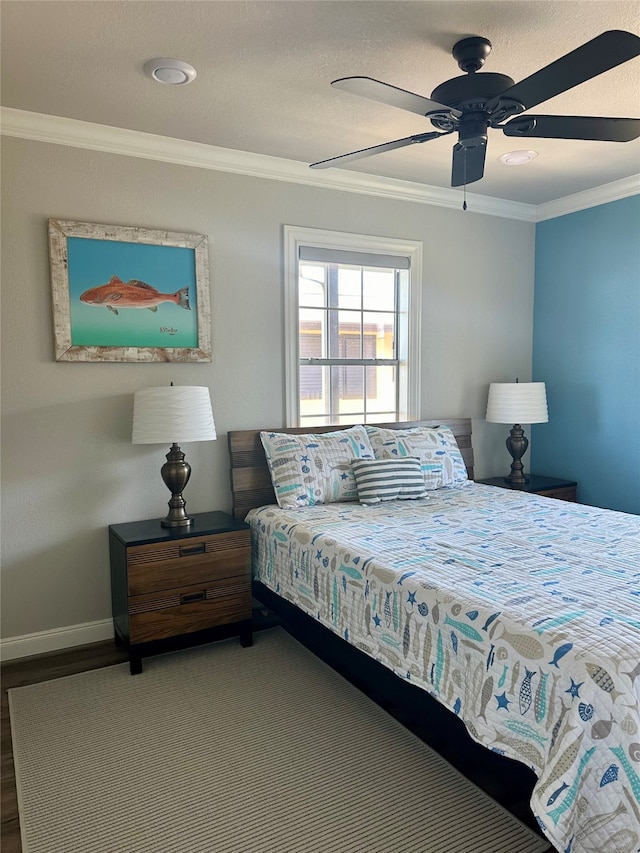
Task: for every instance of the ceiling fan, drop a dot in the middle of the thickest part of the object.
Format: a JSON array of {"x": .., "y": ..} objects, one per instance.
[{"x": 473, "y": 103}]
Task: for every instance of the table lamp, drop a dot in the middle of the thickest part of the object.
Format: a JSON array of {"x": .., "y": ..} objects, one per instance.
[
  {"x": 516, "y": 403},
  {"x": 173, "y": 414}
]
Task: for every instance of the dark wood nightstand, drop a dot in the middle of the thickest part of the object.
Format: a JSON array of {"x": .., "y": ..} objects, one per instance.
[
  {"x": 177, "y": 584},
  {"x": 550, "y": 487}
]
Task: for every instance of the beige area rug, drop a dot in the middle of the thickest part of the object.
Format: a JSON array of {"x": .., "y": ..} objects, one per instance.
[{"x": 221, "y": 749}]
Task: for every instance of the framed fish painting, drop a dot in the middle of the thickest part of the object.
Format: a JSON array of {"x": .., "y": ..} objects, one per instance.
[{"x": 122, "y": 293}]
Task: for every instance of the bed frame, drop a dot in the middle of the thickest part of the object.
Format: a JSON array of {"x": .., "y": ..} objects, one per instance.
[
  {"x": 508, "y": 782},
  {"x": 250, "y": 478}
]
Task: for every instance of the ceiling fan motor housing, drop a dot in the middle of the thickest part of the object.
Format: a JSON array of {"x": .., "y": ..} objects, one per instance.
[{"x": 471, "y": 88}]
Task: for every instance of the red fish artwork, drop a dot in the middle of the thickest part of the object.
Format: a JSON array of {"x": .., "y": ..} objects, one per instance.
[{"x": 132, "y": 294}]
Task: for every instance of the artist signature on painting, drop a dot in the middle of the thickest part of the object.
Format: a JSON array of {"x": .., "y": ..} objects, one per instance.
[{"x": 168, "y": 330}]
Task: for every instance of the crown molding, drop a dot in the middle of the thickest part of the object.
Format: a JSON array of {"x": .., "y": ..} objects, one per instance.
[
  {"x": 58, "y": 130},
  {"x": 614, "y": 191}
]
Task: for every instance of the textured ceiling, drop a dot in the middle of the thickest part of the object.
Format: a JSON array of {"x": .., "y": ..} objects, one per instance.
[{"x": 264, "y": 71}]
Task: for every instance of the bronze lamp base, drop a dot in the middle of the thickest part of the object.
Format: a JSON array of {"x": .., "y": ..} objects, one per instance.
[
  {"x": 175, "y": 473},
  {"x": 517, "y": 444}
]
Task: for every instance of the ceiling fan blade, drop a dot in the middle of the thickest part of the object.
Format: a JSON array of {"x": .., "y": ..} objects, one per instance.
[
  {"x": 375, "y": 149},
  {"x": 602, "y": 53},
  {"x": 574, "y": 127},
  {"x": 468, "y": 163},
  {"x": 376, "y": 90}
]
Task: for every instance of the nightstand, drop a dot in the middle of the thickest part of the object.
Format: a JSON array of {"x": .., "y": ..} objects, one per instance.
[
  {"x": 550, "y": 487},
  {"x": 171, "y": 586}
]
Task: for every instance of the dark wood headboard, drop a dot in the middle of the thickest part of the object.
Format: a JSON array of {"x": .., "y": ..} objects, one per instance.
[{"x": 250, "y": 478}]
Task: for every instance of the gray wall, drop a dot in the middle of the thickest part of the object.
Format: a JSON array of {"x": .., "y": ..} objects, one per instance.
[{"x": 68, "y": 466}]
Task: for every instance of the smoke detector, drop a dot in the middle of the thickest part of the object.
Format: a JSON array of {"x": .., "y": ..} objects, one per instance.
[
  {"x": 173, "y": 72},
  {"x": 517, "y": 158}
]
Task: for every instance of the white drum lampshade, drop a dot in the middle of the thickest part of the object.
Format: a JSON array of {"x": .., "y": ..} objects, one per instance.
[{"x": 173, "y": 414}]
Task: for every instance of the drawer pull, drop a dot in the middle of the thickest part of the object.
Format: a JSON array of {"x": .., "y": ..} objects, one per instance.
[
  {"x": 190, "y": 597},
  {"x": 187, "y": 550}
]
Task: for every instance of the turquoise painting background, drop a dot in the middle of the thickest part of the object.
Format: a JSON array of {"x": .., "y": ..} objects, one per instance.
[{"x": 166, "y": 268}]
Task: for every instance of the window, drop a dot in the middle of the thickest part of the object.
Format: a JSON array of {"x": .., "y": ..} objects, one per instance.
[{"x": 352, "y": 328}]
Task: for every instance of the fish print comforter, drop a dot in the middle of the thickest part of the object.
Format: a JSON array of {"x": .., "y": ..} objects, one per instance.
[{"x": 519, "y": 613}]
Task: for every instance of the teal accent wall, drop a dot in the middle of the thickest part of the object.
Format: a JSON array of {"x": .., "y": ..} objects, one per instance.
[{"x": 586, "y": 347}]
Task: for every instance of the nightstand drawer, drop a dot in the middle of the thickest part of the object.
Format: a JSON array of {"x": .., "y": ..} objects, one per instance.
[
  {"x": 188, "y": 609},
  {"x": 566, "y": 494},
  {"x": 184, "y": 549},
  {"x": 152, "y": 568}
]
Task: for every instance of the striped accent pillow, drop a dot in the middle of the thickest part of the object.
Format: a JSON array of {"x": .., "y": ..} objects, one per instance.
[{"x": 388, "y": 479}]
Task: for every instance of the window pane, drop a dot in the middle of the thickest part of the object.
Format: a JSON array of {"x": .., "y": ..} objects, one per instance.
[
  {"x": 349, "y": 288},
  {"x": 378, "y": 289},
  {"x": 380, "y": 417},
  {"x": 348, "y": 386},
  {"x": 381, "y": 390},
  {"x": 314, "y": 421},
  {"x": 313, "y": 386},
  {"x": 311, "y": 285},
  {"x": 379, "y": 332},
  {"x": 311, "y": 383},
  {"x": 347, "y": 342},
  {"x": 344, "y": 334},
  {"x": 312, "y": 337}
]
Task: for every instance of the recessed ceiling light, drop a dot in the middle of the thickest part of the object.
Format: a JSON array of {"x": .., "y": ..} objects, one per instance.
[
  {"x": 517, "y": 158},
  {"x": 173, "y": 72}
]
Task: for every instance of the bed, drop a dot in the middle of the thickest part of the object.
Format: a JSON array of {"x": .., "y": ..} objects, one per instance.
[{"x": 520, "y": 614}]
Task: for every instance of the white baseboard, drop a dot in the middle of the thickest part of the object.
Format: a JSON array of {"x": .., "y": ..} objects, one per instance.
[{"x": 27, "y": 645}]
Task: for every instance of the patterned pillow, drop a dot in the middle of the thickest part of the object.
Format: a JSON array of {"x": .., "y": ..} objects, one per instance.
[
  {"x": 310, "y": 469},
  {"x": 388, "y": 479},
  {"x": 436, "y": 448}
]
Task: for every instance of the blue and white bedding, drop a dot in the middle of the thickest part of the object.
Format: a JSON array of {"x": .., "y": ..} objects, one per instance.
[{"x": 519, "y": 613}]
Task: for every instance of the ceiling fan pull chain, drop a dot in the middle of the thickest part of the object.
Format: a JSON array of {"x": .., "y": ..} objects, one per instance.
[{"x": 464, "y": 189}]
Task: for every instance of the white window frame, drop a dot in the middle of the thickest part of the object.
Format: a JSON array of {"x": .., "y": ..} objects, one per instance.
[{"x": 294, "y": 237}]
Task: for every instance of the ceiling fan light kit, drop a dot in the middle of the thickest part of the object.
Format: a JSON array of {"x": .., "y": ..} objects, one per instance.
[{"x": 475, "y": 102}]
